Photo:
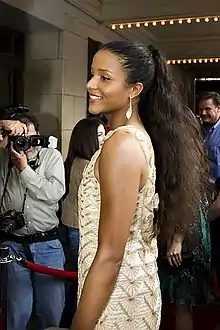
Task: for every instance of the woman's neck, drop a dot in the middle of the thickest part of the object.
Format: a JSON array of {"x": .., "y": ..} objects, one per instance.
[{"x": 117, "y": 119}]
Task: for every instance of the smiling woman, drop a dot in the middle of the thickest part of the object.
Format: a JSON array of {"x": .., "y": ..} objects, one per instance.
[
  {"x": 119, "y": 210},
  {"x": 105, "y": 88}
]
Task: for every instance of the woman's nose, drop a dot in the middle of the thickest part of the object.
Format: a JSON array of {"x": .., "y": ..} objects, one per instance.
[{"x": 92, "y": 84}]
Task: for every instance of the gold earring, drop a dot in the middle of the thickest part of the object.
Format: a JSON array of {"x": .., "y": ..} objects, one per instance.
[{"x": 129, "y": 111}]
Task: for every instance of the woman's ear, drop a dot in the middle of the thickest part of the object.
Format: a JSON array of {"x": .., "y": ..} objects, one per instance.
[{"x": 136, "y": 90}]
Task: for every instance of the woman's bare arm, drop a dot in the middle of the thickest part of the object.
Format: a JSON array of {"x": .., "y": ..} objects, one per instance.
[
  {"x": 120, "y": 176},
  {"x": 175, "y": 249}
]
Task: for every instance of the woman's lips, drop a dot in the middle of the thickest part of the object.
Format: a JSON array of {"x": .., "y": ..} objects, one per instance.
[{"x": 94, "y": 98}]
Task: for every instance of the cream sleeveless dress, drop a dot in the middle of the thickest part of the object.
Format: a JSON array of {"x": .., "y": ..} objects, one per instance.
[{"x": 135, "y": 302}]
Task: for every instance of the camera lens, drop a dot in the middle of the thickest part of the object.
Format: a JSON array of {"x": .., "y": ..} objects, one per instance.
[{"x": 21, "y": 144}]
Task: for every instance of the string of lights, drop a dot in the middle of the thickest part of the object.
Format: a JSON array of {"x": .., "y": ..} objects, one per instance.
[
  {"x": 163, "y": 22},
  {"x": 194, "y": 61}
]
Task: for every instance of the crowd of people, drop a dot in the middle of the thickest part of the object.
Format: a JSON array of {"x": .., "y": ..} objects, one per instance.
[{"x": 136, "y": 202}]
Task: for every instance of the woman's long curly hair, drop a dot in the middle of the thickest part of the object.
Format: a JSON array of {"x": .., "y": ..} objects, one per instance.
[{"x": 181, "y": 163}]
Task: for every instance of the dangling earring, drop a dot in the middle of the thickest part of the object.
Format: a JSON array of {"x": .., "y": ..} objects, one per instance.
[{"x": 129, "y": 111}]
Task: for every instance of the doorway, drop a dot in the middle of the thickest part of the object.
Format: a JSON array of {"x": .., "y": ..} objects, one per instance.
[{"x": 11, "y": 66}]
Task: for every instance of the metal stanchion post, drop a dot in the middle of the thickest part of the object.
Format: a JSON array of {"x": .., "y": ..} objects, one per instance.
[{"x": 4, "y": 260}]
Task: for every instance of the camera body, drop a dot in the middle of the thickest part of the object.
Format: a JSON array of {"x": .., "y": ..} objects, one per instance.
[
  {"x": 10, "y": 221},
  {"x": 23, "y": 143}
]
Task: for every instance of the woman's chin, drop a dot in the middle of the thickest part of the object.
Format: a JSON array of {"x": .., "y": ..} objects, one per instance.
[{"x": 94, "y": 110}]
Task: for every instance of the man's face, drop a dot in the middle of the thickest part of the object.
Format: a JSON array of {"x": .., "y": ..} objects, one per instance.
[{"x": 209, "y": 111}]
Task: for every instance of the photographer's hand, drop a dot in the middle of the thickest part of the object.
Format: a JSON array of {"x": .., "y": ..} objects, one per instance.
[
  {"x": 18, "y": 159},
  {"x": 15, "y": 127}
]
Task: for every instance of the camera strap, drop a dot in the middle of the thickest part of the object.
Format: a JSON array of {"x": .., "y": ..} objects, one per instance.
[
  {"x": 4, "y": 191},
  {"x": 34, "y": 165},
  {"x": 10, "y": 165},
  {"x": 35, "y": 162}
]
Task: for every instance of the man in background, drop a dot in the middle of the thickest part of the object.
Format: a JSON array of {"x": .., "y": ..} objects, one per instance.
[
  {"x": 209, "y": 110},
  {"x": 32, "y": 186}
]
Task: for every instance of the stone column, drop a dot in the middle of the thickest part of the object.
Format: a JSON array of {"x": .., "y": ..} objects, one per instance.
[
  {"x": 55, "y": 81},
  {"x": 73, "y": 51},
  {"x": 43, "y": 79}
]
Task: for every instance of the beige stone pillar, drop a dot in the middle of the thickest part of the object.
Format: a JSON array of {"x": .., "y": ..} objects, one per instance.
[
  {"x": 73, "y": 51},
  {"x": 55, "y": 81},
  {"x": 43, "y": 79}
]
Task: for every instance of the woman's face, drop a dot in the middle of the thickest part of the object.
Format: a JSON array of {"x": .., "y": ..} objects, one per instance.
[
  {"x": 107, "y": 88},
  {"x": 101, "y": 134}
]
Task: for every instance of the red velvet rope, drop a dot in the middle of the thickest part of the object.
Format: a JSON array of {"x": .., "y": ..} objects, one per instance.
[{"x": 64, "y": 274}]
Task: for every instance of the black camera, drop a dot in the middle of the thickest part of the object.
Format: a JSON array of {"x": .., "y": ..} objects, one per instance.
[
  {"x": 23, "y": 143},
  {"x": 10, "y": 221}
]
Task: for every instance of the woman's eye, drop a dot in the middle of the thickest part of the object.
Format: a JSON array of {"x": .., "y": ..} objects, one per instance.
[{"x": 104, "y": 78}]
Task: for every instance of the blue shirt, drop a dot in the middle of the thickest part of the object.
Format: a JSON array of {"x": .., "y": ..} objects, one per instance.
[{"x": 211, "y": 141}]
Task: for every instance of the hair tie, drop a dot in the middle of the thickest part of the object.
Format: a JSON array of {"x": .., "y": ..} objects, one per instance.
[{"x": 153, "y": 51}]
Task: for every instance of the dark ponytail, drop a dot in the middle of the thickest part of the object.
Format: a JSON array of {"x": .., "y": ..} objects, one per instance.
[{"x": 181, "y": 164}]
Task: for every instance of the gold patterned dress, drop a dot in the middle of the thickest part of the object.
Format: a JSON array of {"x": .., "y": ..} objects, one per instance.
[{"x": 135, "y": 302}]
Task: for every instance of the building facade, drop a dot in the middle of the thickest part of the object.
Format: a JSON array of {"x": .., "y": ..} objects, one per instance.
[{"x": 56, "y": 34}]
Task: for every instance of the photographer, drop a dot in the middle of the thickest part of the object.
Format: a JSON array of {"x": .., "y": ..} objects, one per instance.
[{"x": 31, "y": 184}]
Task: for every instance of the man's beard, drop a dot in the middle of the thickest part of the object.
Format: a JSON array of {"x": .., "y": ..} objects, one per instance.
[
  {"x": 209, "y": 124},
  {"x": 32, "y": 154}
]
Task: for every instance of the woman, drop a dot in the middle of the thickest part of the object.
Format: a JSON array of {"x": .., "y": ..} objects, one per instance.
[
  {"x": 87, "y": 136},
  {"x": 118, "y": 281},
  {"x": 185, "y": 273},
  {"x": 184, "y": 265}
]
